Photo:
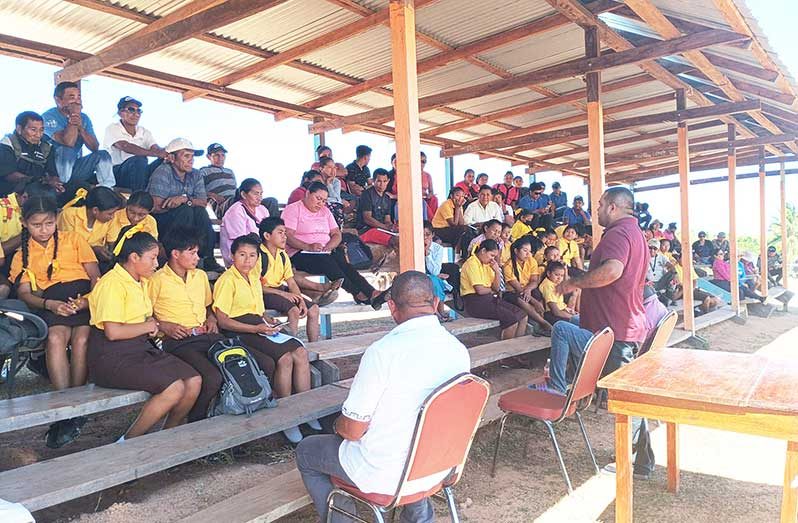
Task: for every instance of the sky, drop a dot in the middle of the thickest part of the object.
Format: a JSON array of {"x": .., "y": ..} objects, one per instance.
[{"x": 276, "y": 153}]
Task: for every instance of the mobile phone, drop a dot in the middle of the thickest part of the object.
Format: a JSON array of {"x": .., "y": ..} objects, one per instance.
[{"x": 281, "y": 324}]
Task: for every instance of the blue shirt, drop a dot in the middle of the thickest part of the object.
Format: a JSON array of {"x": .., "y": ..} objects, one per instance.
[
  {"x": 533, "y": 205},
  {"x": 560, "y": 201},
  {"x": 164, "y": 183},
  {"x": 571, "y": 218},
  {"x": 56, "y": 121}
]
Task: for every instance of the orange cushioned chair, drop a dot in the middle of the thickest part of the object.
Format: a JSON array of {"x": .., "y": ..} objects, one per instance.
[
  {"x": 552, "y": 408},
  {"x": 662, "y": 333},
  {"x": 445, "y": 428}
]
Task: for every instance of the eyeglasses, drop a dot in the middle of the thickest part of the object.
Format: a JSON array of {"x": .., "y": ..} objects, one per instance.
[
  {"x": 133, "y": 110},
  {"x": 537, "y": 193}
]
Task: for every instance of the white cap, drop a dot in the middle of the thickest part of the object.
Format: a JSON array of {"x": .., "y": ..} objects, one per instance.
[{"x": 178, "y": 144}]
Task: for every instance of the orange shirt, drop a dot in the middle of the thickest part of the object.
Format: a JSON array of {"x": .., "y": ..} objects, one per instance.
[{"x": 73, "y": 252}]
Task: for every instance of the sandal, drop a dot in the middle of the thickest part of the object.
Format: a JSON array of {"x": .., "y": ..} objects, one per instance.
[
  {"x": 328, "y": 297},
  {"x": 336, "y": 284}
]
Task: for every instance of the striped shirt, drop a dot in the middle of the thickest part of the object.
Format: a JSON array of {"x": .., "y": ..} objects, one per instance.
[{"x": 219, "y": 180}]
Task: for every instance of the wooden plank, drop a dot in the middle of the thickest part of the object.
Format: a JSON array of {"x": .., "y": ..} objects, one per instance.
[
  {"x": 785, "y": 254},
  {"x": 547, "y": 74},
  {"x": 673, "y": 457},
  {"x": 82, "y": 473},
  {"x": 732, "y": 208},
  {"x": 684, "y": 191},
  {"x": 623, "y": 472},
  {"x": 763, "y": 226},
  {"x": 499, "y": 350},
  {"x": 408, "y": 146},
  {"x": 172, "y": 29},
  {"x": 49, "y": 407},
  {"x": 789, "y": 497},
  {"x": 741, "y": 67},
  {"x": 358, "y": 343},
  {"x": 595, "y": 132}
]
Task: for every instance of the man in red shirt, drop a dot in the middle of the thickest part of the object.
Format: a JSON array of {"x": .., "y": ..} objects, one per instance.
[{"x": 612, "y": 296}]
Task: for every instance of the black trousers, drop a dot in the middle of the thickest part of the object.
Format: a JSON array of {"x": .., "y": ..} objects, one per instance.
[
  {"x": 189, "y": 216},
  {"x": 543, "y": 220},
  {"x": 334, "y": 266}
]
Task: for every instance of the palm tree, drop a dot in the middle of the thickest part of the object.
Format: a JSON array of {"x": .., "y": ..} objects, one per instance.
[{"x": 792, "y": 233}]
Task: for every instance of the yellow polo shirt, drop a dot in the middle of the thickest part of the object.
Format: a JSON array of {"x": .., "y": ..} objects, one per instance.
[
  {"x": 569, "y": 250},
  {"x": 178, "y": 301},
  {"x": 445, "y": 212},
  {"x": 73, "y": 252},
  {"x": 10, "y": 217},
  {"x": 235, "y": 295},
  {"x": 120, "y": 221},
  {"x": 74, "y": 219},
  {"x": 560, "y": 230},
  {"x": 119, "y": 298},
  {"x": 526, "y": 270},
  {"x": 549, "y": 291},
  {"x": 474, "y": 272},
  {"x": 519, "y": 230},
  {"x": 278, "y": 270}
]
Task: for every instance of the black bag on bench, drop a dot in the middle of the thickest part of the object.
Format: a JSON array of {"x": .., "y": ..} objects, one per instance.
[
  {"x": 246, "y": 388},
  {"x": 18, "y": 328}
]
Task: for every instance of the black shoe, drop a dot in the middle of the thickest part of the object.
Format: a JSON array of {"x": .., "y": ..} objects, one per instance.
[
  {"x": 211, "y": 265},
  {"x": 379, "y": 300},
  {"x": 63, "y": 432}
]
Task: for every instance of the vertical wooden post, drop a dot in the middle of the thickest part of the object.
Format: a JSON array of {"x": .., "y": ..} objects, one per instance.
[
  {"x": 763, "y": 226},
  {"x": 734, "y": 281},
  {"x": 406, "y": 134},
  {"x": 595, "y": 131},
  {"x": 449, "y": 174},
  {"x": 673, "y": 457},
  {"x": 684, "y": 187},
  {"x": 623, "y": 469},
  {"x": 785, "y": 258},
  {"x": 325, "y": 320}
]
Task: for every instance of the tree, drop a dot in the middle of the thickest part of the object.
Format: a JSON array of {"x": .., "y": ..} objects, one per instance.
[{"x": 792, "y": 233}]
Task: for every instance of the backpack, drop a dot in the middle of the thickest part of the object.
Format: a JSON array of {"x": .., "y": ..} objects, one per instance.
[
  {"x": 264, "y": 261},
  {"x": 358, "y": 254},
  {"x": 245, "y": 388},
  {"x": 18, "y": 328}
]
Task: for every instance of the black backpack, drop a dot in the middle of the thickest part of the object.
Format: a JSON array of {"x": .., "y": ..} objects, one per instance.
[
  {"x": 245, "y": 388},
  {"x": 264, "y": 262},
  {"x": 358, "y": 254},
  {"x": 18, "y": 328}
]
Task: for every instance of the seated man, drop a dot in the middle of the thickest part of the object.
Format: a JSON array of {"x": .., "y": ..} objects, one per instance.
[
  {"x": 484, "y": 209},
  {"x": 721, "y": 243},
  {"x": 703, "y": 250},
  {"x": 373, "y": 433},
  {"x": 774, "y": 267},
  {"x": 579, "y": 217},
  {"x": 178, "y": 193},
  {"x": 358, "y": 175},
  {"x": 221, "y": 185},
  {"x": 25, "y": 157},
  {"x": 70, "y": 129},
  {"x": 539, "y": 204},
  {"x": 130, "y": 146},
  {"x": 375, "y": 223},
  {"x": 559, "y": 200}
]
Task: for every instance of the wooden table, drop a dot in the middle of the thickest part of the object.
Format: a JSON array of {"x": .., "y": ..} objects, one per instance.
[{"x": 743, "y": 393}]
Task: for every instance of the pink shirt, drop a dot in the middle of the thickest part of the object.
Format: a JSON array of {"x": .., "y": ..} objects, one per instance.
[
  {"x": 720, "y": 270},
  {"x": 308, "y": 227},
  {"x": 236, "y": 222}
]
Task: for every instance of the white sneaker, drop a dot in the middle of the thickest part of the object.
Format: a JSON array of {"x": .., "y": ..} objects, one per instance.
[
  {"x": 314, "y": 424},
  {"x": 293, "y": 434}
]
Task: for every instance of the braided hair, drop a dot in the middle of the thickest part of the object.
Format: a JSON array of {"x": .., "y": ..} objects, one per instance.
[
  {"x": 37, "y": 205},
  {"x": 518, "y": 245}
]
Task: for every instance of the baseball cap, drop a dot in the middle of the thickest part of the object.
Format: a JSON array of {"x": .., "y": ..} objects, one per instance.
[
  {"x": 126, "y": 100},
  {"x": 216, "y": 147},
  {"x": 178, "y": 144},
  {"x": 555, "y": 185},
  {"x": 772, "y": 248},
  {"x": 672, "y": 226},
  {"x": 721, "y": 235}
]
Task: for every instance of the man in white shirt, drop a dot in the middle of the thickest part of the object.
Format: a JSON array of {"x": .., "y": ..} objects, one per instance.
[
  {"x": 483, "y": 209},
  {"x": 130, "y": 145},
  {"x": 374, "y": 431}
]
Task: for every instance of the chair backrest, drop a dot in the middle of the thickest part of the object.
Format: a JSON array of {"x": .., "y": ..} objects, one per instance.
[
  {"x": 590, "y": 366},
  {"x": 662, "y": 333},
  {"x": 445, "y": 428}
]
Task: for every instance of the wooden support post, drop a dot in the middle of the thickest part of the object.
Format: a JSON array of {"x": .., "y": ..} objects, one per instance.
[
  {"x": 763, "y": 226},
  {"x": 595, "y": 131},
  {"x": 785, "y": 255},
  {"x": 623, "y": 469},
  {"x": 789, "y": 497},
  {"x": 449, "y": 174},
  {"x": 408, "y": 145},
  {"x": 684, "y": 183},
  {"x": 733, "y": 280},
  {"x": 673, "y": 457},
  {"x": 325, "y": 321}
]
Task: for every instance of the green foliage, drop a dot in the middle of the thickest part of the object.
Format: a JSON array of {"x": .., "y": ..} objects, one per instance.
[{"x": 792, "y": 232}]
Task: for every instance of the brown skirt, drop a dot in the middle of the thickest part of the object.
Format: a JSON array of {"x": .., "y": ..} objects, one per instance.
[
  {"x": 62, "y": 292},
  {"x": 133, "y": 364},
  {"x": 489, "y": 307},
  {"x": 263, "y": 344}
]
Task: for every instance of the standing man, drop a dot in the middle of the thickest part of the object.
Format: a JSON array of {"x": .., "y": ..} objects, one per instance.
[
  {"x": 70, "y": 129},
  {"x": 179, "y": 195},
  {"x": 559, "y": 200},
  {"x": 130, "y": 147},
  {"x": 612, "y": 296},
  {"x": 358, "y": 175},
  {"x": 221, "y": 184},
  {"x": 373, "y": 433}
]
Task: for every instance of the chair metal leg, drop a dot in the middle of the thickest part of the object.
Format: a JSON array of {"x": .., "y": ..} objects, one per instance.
[
  {"x": 452, "y": 505},
  {"x": 587, "y": 441},
  {"x": 331, "y": 508},
  {"x": 498, "y": 441},
  {"x": 550, "y": 427}
]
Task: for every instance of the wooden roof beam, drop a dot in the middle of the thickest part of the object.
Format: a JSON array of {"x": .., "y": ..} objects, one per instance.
[
  {"x": 741, "y": 67},
  {"x": 173, "y": 28},
  {"x": 564, "y": 135},
  {"x": 659, "y": 23},
  {"x": 547, "y": 74}
]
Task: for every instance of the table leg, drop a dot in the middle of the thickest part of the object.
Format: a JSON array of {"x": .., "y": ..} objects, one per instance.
[
  {"x": 623, "y": 469},
  {"x": 673, "y": 457},
  {"x": 789, "y": 501}
]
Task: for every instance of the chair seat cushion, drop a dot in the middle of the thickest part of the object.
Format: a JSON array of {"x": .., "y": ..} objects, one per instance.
[
  {"x": 534, "y": 404},
  {"x": 383, "y": 500}
]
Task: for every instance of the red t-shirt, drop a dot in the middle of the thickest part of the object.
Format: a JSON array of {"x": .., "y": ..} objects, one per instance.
[
  {"x": 470, "y": 191},
  {"x": 620, "y": 304},
  {"x": 297, "y": 194}
]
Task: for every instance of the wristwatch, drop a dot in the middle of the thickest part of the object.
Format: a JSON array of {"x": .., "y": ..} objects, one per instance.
[{"x": 188, "y": 200}]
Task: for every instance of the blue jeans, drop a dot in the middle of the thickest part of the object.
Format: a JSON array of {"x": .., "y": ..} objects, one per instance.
[
  {"x": 95, "y": 166},
  {"x": 134, "y": 173},
  {"x": 317, "y": 460}
]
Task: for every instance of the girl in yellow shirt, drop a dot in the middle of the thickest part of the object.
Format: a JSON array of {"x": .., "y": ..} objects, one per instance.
[
  {"x": 92, "y": 220},
  {"x": 136, "y": 215},
  {"x": 54, "y": 272},
  {"x": 521, "y": 277},
  {"x": 239, "y": 308},
  {"x": 120, "y": 353},
  {"x": 479, "y": 285},
  {"x": 556, "y": 308},
  {"x": 569, "y": 250}
]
